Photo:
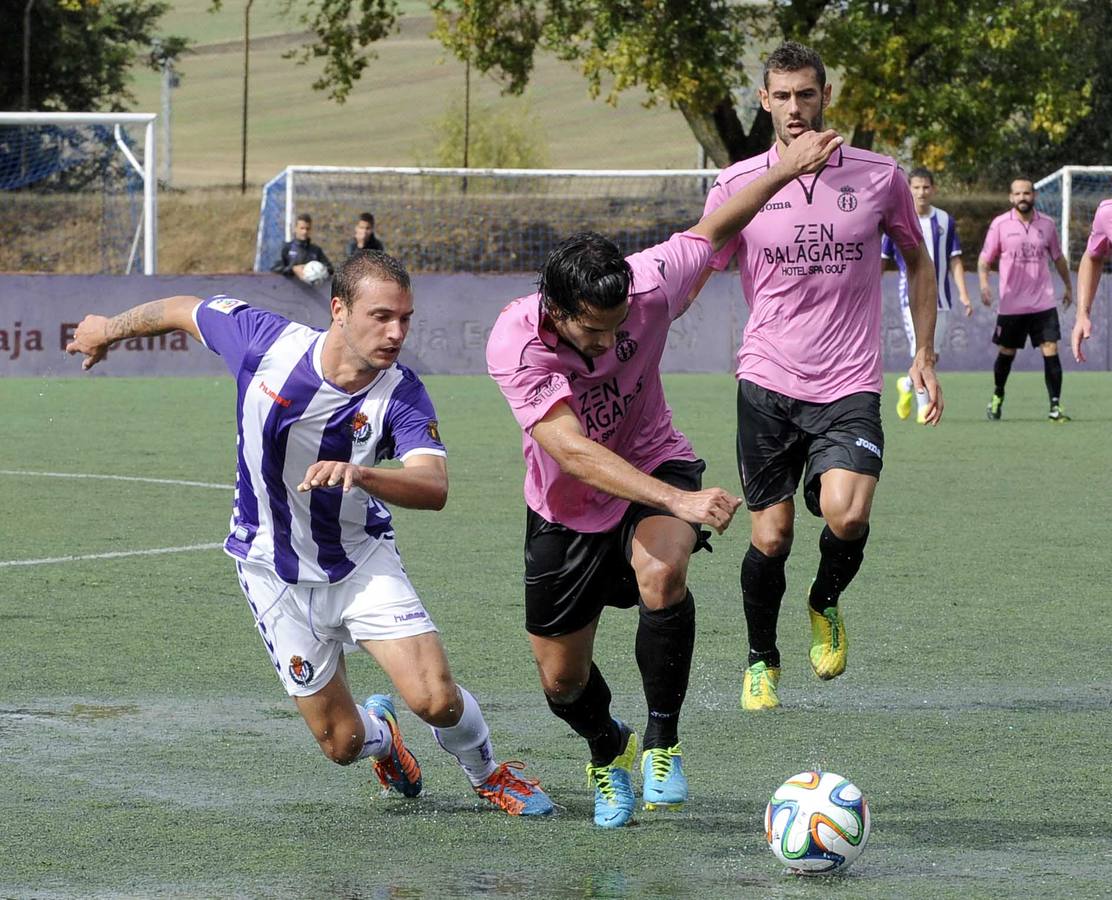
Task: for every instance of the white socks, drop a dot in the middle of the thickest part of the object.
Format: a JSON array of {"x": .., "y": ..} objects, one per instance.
[
  {"x": 376, "y": 735},
  {"x": 469, "y": 741}
]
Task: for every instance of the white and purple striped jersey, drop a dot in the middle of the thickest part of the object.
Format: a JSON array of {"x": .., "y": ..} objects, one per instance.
[
  {"x": 290, "y": 416},
  {"x": 941, "y": 236}
]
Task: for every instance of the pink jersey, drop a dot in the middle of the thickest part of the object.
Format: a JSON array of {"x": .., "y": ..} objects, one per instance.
[
  {"x": 1024, "y": 250},
  {"x": 618, "y": 397},
  {"x": 1100, "y": 238},
  {"x": 810, "y": 269}
]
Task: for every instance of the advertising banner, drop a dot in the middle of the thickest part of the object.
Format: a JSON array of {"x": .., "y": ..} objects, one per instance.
[{"x": 452, "y": 319}]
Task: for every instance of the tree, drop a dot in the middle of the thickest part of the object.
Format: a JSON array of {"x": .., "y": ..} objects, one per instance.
[
  {"x": 1089, "y": 139},
  {"x": 509, "y": 137},
  {"x": 956, "y": 82},
  {"x": 81, "y": 51}
]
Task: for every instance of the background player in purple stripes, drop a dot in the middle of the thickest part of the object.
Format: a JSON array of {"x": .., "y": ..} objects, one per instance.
[
  {"x": 1097, "y": 252},
  {"x": 940, "y": 233},
  {"x": 311, "y": 533}
]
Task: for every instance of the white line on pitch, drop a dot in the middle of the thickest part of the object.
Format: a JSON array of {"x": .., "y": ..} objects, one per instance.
[
  {"x": 200, "y": 484},
  {"x": 114, "y": 555}
]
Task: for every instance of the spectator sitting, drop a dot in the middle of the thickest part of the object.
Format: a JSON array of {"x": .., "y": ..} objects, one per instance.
[
  {"x": 364, "y": 235},
  {"x": 299, "y": 251}
]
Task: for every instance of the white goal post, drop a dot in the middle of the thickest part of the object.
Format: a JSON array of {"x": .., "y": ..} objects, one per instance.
[
  {"x": 501, "y": 219},
  {"x": 147, "y": 230},
  {"x": 1071, "y": 196}
]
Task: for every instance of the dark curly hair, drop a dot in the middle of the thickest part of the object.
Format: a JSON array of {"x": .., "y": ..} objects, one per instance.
[{"x": 585, "y": 269}]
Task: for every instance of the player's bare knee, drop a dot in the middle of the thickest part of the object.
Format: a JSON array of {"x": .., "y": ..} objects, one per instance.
[
  {"x": 851, "y": 523},
  {"x": 774, "y": 542},
  {"x": 563, "y": 687},
  {"x": 440, "y": 705},
  {"x": 341, "y": 745},
  {"x": 661, "y": 584}
]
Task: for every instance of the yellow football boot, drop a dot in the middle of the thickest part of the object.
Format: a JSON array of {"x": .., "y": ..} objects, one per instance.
[
  {"x": 828, "y": 642},
  {"x": 758, "y": 688},
  {"x": 904, "y": 396}
]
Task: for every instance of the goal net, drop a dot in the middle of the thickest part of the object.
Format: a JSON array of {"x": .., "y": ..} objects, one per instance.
[
  {"x": 79, "y": 192},
  {"x": 478, "y": 220},
  {"x": 1071, "y": 196}
]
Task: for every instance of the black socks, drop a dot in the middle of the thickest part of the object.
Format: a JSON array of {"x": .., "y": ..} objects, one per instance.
[
  {"x": 1052, "y": 372},
  {"x": 1000, "y": 371},
  {"x": 762, "y": 588},
  {"x": 838, "y": 562},
  {"x": 665, "y": 642},
  {"x": 589, "y": 716}
]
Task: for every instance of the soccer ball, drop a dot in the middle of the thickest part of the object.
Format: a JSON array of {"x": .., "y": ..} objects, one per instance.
[
  {"x": 817, "y": 822},
  {"x": 314, "y": 272}
]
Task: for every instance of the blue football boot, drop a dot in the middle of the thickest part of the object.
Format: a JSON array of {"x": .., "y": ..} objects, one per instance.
[
  {"x": 613, "y": 784},
  {"x": 665, "y": 785}
]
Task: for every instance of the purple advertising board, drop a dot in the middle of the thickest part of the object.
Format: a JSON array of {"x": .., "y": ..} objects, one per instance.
[{"x": 453, "y": 316}]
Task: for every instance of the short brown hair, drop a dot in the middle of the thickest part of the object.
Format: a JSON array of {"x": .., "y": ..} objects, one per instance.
[
  {"x": 791, "y": 56},
  {"x": 373, "y": 264}
]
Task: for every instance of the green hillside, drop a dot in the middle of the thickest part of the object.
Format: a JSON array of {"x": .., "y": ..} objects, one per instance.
[{"x": 392, "y": 115}]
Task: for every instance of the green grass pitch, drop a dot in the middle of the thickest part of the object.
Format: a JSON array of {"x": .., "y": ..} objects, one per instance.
[{"x": 146, "y": 747}]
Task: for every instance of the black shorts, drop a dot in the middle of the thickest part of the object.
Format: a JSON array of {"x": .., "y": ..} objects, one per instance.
[
  {"x": 777, "y": 436},
  {"x": 571, "y": 575},
  {"x": 1012, "y": 331}
]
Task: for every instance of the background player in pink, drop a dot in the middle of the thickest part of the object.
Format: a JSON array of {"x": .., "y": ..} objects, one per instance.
[
  {"x": 809, "y": 367},
  {"x": 1023, "y": 241},
  {"x": 310, "y": 532},
  {"x": 613, "y": 490},
  {"x": 1097, "y": 252}
]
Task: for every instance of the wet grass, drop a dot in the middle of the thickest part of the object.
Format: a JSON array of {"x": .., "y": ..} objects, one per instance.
[{"x": 146, "y": 748}]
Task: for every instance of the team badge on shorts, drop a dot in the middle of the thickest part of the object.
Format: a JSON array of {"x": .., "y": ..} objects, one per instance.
[
  {"x": 434, "y": 431},
  {"x": 301, "y": 670},
  {"x": 360, "y": 428}
]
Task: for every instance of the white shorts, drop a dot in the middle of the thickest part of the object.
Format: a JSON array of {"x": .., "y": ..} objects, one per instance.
[
  {"x": 305, "y": 628},
  {"x": 941, "y": 327}
]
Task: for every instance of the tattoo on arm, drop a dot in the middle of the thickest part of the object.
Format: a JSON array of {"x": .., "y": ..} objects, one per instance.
[{"x": 144, "y": 320}]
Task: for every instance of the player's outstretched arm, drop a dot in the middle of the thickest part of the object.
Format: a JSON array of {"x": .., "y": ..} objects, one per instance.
[
  {"x": 421, "y": 483},
  {"x": 96, "y": 333},
  {"x": 1088, "y": 277},
  {"x": 562, "y": 437},
  {"x": 807, "y": 153},
  {"x": 924, "y": 313}
]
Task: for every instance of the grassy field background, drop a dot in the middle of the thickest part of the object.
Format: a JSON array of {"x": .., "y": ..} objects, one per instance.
[
  {"x": 392, "y": 115},
  {"x": 147, "y": 749}
]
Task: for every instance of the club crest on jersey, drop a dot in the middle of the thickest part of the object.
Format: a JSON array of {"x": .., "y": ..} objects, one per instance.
[
  {"x": 434, "y": 430},
  {"x": 626, "y": 347},
  {"x": 301, "y": 670},
  {"x": 360, "y": 428},
  {"x": 846, "y": 201}
]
